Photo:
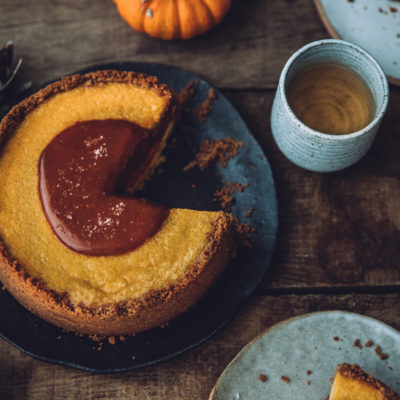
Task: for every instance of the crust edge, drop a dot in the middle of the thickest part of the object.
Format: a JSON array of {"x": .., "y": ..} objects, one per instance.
[
  {"x": 127, "y": 317},
  {"x": 20, "y": 110},
  {"x": 355, "y": 372}
]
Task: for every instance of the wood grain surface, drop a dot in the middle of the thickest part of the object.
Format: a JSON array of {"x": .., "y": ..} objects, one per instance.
[
  {"x": 190, "y": 376},
  {"x": 339, "y": 229},
  {"x": 339, "y": 235},
  {"x": 57, "y": 37}
]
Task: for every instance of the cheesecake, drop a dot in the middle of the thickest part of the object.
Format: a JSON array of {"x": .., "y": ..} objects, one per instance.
[
  {"x": 352, "y": 383},
  {"x": 78, "y": 247}
]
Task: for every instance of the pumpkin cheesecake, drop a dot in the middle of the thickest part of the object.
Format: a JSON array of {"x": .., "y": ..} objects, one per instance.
[
  {"x": 352, "y": 383},
  {"x": 77, "y": 247}
]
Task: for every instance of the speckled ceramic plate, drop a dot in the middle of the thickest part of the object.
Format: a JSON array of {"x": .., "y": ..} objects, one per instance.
[
  {"x": 306, "y": 343},
  {"x": 372, "y": 24},
  {"x": 174, "y": 187}
]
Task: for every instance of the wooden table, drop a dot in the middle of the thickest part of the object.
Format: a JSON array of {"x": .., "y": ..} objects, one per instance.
[{"x": 339, "y": 236}]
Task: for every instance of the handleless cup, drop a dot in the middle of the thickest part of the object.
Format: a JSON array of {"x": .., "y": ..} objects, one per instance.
[{"x": 318, "y": 151}]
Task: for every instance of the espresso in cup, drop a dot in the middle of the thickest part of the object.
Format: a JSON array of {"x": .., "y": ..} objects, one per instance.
[{"x": 331, "y": 98}]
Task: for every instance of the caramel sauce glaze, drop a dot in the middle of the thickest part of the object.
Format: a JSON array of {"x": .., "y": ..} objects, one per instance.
[{"x": 81, "y": 173}]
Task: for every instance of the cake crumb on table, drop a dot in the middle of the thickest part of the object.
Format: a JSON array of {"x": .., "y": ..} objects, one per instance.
[
  {"x": 249, "y": 212},
  {"x": 285, "y": 379},
  {"x": 357, "y": 344},
  {"x": 185, "y": 93},
  {"x": 381, "y": 355},
  {"x": 308, "y": 383},
  {"x": 225, "y": 195},
  {"x": 369, "y": 343},
  {"x": 111, "y": 339},
  {"x": 218, "y": 150},
  {"x": 206, "y": 106},
  {"x": 244, "y": 231},
  {"x": 262, "y": 378},
  {"x": 96, "y": 338},
  {"x": 309, "y": 372},
  {"x": 336, "y": 338}
]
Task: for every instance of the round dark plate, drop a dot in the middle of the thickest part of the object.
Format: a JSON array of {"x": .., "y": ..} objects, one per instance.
[{"x": 174, "y": 188}]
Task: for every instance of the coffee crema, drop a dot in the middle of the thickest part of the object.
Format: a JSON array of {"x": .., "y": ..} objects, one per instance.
[{"x": 331, "y": 98}]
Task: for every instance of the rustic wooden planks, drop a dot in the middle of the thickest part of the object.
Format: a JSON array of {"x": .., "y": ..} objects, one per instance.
[
  {"x": 339, "y": 233},
  {"x": 247, "y": 50},
  {"x": 189, "y": 376},
  {"x": 340, "y": 229}
]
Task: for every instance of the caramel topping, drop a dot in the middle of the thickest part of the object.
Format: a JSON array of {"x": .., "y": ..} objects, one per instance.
[{"x": 79, "y": 185}]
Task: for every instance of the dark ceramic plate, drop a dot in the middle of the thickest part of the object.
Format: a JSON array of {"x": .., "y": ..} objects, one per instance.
[{"x": 174, "y": 188}]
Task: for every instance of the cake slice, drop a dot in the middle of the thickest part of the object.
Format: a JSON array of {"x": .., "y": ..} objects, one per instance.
[
  {"x": 352, "y": 383},
  {"x": 78, "y": 269}
]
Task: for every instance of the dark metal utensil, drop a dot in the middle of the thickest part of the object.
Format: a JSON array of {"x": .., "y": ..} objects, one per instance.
[{"x": 7, "y": 72}]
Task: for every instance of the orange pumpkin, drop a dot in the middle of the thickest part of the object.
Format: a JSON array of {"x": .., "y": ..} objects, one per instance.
[{"x": 173, "y": 19}]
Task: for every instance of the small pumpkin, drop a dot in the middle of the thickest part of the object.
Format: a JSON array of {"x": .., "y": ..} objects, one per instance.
[{"x": 173, "y": 19}]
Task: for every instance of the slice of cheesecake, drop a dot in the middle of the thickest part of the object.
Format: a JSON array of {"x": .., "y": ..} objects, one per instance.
[
  {"x": 352, "y": 383},
  {"x": 88, "y": 142}
]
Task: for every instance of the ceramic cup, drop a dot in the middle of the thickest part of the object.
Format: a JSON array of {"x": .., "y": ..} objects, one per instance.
[{"x": 317, "y": 151}]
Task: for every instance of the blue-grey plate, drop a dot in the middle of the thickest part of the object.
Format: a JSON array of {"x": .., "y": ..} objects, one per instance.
[
  {"x": 306, "y": 343},
  {"x": 174, "y": 188},
  {"x": 373, "y": 25}
]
